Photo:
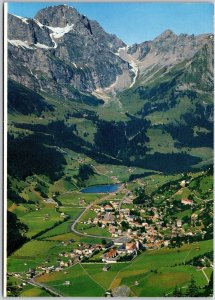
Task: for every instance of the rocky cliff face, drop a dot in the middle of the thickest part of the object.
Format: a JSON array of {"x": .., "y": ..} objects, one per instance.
[{"x": 61, "y": 51}]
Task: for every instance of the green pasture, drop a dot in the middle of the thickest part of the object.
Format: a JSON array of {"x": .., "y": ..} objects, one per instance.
[
  {"x": 86, "y": 129},
  {"x": 74, "y": 198},
  {"x": 22, "y": 263},
  {"x": 157, "y": 284},
  {"x": 73, "y": 212},
  {"x": 60, "y": 229},
  {"x": 160, "y": 141},
  {"x": 19, "y": 209},
  {"x": 158, "y": 271},
  {"x": 81, "y": 284},
  {"x": 102, "y": 277},
  {"x": 35, "y": 253},
  {"x": 121, "y": 172},
  {"x": 62, "y": 186},
  {"x": 39, "y": 220},
  {"x": 30, "y": 194},
  {"x": 208, "y": 272},
  {"x": 77, "y": 238},
  {"x": 171, "y": 115},
  {"x": 34, "y": 292},
  {"x": 93, "y": 230},
  {"x": 88, "y": 214},
  {"x": 183, "y": 193},
  {"x": 98, "y": 179},
  {"x": 34, "y": 248},
  {"x": 30, "y": 255}
]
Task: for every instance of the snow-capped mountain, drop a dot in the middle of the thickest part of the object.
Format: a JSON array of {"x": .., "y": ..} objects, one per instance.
[{"x": 61, "y": 50}]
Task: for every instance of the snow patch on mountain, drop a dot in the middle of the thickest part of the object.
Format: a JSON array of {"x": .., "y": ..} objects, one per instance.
[
  {"x": 19, "y": 43},
  {"x": 123, "y": 54},
  {"x": 120, "y": 50},
  {"x": 24, "y": 20},
  {"x": 135, "y": 70},
  {"x": 58, "y": 32},
  {"x": 42, "y": 46},
  {"x": 39, "y": 24}
]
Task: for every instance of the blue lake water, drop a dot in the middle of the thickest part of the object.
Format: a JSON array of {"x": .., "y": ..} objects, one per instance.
[{"x": 109, "y": 188}]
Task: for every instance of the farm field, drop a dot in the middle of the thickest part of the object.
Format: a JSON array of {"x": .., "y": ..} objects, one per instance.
[
  {"x": 165, "y": 267},
  {"x": 77, "y": 199},
  {"x": 34, "y": 292},
  {"x": 208, "y": 271},
  {"x": 157, "y": 284},
  {"x": 66, "y": 225},
  {"x": 34, "y": 253},
  {"x": 60, "y": 229},
  {"x": 73, "y": 212},
  {"x": 27, "y": 290},
  {"x": 85, "y": 228},
  {"x": 81, "y": 284},
  {"x": 104, "y": 278},
  {"x": 78, "y": 238},
  {"x": 40, "y": 220}
]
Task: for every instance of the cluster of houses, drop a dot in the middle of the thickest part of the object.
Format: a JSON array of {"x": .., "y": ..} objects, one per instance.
[
  {"x": 144, "y": 230},
  {"x": 148, "y": 226},
  {"x": 110, "y": 253},
  {"x": 123, "y": 246}
]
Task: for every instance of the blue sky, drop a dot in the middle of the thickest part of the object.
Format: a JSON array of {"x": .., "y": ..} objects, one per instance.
[{"x": 135, "y": 22}]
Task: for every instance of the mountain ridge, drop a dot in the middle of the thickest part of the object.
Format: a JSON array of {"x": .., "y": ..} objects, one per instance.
[{"x": 99, "y": 63}]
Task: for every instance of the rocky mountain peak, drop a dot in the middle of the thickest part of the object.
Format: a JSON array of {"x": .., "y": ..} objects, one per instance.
[
  {"x": 61, "y": 50},
  {"x": 166, "y": 35},
  {"x": 58, "y": 16}
]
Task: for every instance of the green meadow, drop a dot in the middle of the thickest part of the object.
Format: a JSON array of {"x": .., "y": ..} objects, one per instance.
[
  {"x": 76, "y": 199},
  {"x": 81, "y": 284},
  {"x": 153, "y": 273},
  {"x": 34, "y": 292}
]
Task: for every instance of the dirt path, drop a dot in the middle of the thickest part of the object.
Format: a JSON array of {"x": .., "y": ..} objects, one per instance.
[{"x": 205, "y": 274}]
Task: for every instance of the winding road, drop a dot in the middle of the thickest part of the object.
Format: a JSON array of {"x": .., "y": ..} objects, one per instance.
[{"x": 83, "y": 212}]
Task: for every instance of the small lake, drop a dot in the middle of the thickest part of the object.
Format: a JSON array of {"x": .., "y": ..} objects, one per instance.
[{"x": 109, "y": 188}]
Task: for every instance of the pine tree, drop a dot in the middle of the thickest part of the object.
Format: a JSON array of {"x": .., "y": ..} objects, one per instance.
[
  {"x": 177, "y": 292},
  {"x": 193, "y": 290}
]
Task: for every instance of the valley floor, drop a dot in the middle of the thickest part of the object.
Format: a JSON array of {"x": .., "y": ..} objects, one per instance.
[{"x": 146, "y": 239}]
